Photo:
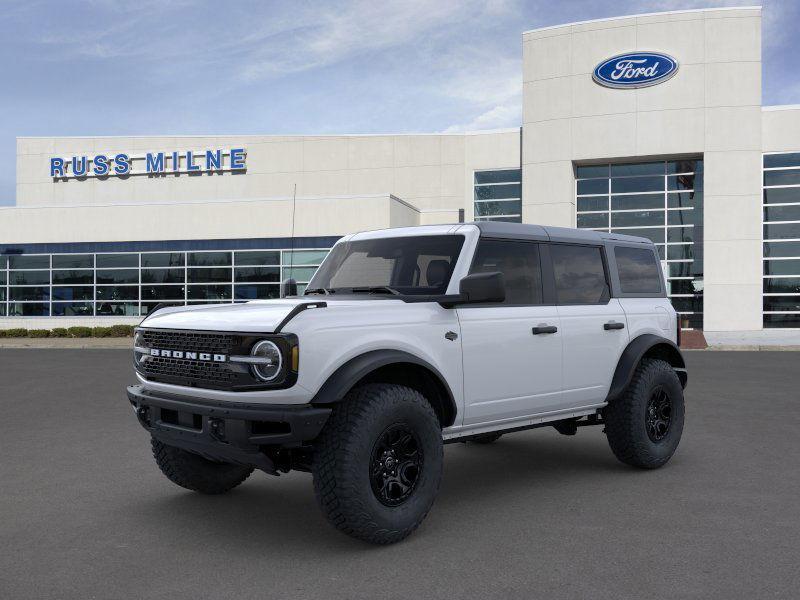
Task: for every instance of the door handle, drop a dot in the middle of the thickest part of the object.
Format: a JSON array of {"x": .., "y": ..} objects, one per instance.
[
  {"x": 609, "y": 326},
  {"x": 544, "y": 329}
]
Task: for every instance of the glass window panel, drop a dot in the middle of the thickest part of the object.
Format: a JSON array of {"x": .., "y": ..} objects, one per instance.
[
  {"x": 84, "y": 292},
  {"x": 257, "y": 292},
  {"x": 683, "y": 217},
  {"x": 163, "y": 259},
  {"x": 73, "y": 261},
  {"x": 498, "y": 176},
  {"x": 782, "y": 213},
  {"x": 688, "y": 304},
  {"x": 162, "y": 292},
  {"x": 209, "y": 259},
  {"x": 2, "y": 310},
  {"x": 498, "y": 208},
  {"x": 73, "y": 309},
  {"x": 680, "y": 269},
  {"x": 639, "y": 273},
  {"x": 680, "y": 234},
  {"x": 303, "y": 274},
  {"x": 117, "y": 309},
  {"x": 2, "y": 277},
  {"x": 684, "y": 182},
  {"x": 637, "y": 201},
  {"x": 29, "y": 277},
  {"x": 662, "y": 251},
  {"x": 685, "y": 200},
  {"x": 305, "y": 257},
  {"x": 587, "y": 171},
  {"x": 28, "y": 309},
  {"x": 118, "y": 292},
  {"x": 782, "y": 195},
  {"x": 684, "y": 286},
  {"x": 684, "y": 166},
  {"x": 592, "y": 186},
  {"x": 258, "y": 258},
  {"x": 73, "y": 277},
  {"x": 495, "y": 192},
  {"x": 29, "y": 262},
  {"x": 637, "y": 184},
  {"x": 209, "y": 292},
  {"x": 788, "y": 177},
  {"x": 3, "y": 262},
  {"x": 163, "y": 275},
  {"x": 680, "y": 252},
  {"x": 789, "y": 159},
  {"x": 782, "y": 231},
  {"x": 148, "y": 306},
  {"x": 519, "y": 264},
  {"x": 694, "y": 321},
  {"x": 648, "y": 168},
  {"x": 2, "y": 294},
  {"x": 29, "y": 293},
  {"x": 593, "y": 220},
  {"x": 593, "y": 203},
  {"x": 117, "y": 260},
  {"x": 782, "y": 267},
  {"x": 782, "y": 303},
  {"x": 118, "y": 276},
  {"x": 784, "y": 285},
  {"x": 500, "y": 219},
  {"x": 257, "y": 274},
  {"x": 780, "y": 249},
  {"x": 579, "y": 274},
  {"x": 776, "y": 321},
  {"x": 656, "y": 234},
  {"x": 208, "y": 275},
  {"x": 637, "y": 219}
]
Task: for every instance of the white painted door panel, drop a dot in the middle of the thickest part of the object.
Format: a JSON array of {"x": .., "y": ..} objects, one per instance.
[{"x": 508, "y": 371}]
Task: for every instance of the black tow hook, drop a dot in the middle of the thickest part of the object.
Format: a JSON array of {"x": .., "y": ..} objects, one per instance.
[
  {"x": 216, "y": 428},
  {"x": 143, "y": 414}
]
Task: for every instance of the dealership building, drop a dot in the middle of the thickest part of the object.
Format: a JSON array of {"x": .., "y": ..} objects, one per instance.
[{"x": 650, "y": 125}]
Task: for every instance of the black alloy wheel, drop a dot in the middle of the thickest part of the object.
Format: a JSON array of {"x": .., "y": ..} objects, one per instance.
[
  {"x": 658, "y": 414},
  {"x": 395, "y": 465}
]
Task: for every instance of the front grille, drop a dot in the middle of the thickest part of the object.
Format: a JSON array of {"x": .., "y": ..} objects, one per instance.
[{"x": 193, "y": 341}]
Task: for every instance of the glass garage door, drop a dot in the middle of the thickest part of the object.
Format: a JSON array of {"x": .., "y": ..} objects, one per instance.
[
  {"x": 661, "y": 200},
  {"x": 781, "y": 301}
]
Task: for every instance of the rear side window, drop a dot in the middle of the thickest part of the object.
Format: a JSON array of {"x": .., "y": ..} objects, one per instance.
[
  {"x": 638, "y": 270},
  {"x": 579, "y": 274},
  {"x": 519, "y": 264}
]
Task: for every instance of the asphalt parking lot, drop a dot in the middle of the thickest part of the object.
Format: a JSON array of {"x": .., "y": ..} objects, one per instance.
[{"x": 85, "y": 513}]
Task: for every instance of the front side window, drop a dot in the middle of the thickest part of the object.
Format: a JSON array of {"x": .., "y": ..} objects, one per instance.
[
  {"x": 519, "y": 264},
  {"x": 406, "y": 265},
  {"x": 638, "y": 270},
  {"x": 579, "y": 274}
]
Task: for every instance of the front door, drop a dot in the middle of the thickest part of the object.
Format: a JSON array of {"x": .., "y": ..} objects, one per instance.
[{"x": 511, "y": 350}]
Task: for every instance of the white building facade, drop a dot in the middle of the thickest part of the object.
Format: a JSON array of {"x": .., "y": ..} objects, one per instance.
[{"x": 668, "y": 140}]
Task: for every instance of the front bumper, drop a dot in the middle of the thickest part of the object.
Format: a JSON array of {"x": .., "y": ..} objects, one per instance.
[{"x": 234, "y": 432}]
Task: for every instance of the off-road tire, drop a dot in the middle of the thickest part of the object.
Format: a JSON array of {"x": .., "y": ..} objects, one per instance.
[
  {"x": 193, "y": 472},
  {"x": 486, "y": 438},
  {"x": 626, "y": 421},
  {"x": 344, "y": 456}
]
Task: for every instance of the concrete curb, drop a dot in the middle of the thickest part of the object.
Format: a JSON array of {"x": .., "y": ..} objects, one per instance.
[
  {"x": 67, "y": 343},
  {"x": 753, "y": 348}
]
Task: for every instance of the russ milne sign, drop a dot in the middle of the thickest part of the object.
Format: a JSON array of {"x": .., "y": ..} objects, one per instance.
[
  {"x": 151, "y": 163},
  {"x": 635, "y": 70}
]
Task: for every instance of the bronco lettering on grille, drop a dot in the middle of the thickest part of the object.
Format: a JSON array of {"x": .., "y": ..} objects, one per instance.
[{"x": 204, "y": 356}]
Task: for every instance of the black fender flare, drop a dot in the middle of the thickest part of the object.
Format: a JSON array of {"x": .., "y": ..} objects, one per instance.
[
  {"x": 647, "y": 343},
  {"x": 354, "y": 370}
]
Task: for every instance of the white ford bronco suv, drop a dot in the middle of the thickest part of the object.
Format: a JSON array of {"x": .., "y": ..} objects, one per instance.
[{"x": 407, "y": 339}]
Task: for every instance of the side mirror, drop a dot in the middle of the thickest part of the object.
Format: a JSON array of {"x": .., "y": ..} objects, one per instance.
[
  {"x": 483, "y": 287},
  {"x": 288, "y": 288}
]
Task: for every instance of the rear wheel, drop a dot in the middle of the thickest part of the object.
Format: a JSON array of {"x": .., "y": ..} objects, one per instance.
[
  {"x": 644, "y": 425},
  {"x": 378, "y": 463},
  {"x": 193, "y": 472}
]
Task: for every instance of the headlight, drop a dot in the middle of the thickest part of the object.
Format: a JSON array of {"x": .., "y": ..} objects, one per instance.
[
  {"x": 139, "y": 351},
  {"x": 270, "y": 360}
]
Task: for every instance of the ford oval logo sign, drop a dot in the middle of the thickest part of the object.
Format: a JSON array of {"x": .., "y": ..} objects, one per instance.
[{"x": 635, "y": 70}]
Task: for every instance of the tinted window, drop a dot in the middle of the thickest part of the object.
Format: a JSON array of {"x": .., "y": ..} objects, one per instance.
[
  {"x": 519, "y": 264},
  {"x": 579, "y": 274},
  {"x": 638, "y": 271}
]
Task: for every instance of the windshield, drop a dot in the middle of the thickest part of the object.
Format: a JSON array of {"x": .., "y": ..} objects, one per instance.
[{"x": 400, "y": 265}]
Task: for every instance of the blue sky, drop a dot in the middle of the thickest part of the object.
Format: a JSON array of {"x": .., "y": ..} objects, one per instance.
[{"x": 151, "y": 67}]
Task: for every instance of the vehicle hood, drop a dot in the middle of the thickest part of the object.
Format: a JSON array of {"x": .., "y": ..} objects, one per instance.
[{"x": 260, "y": 316}]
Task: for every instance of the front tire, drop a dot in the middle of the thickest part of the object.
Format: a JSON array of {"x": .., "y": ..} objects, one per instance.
[
  {"x": 378, "y": 463},
  {"x": 644, "y": 425},
  {"x": 193, "y": 472}
]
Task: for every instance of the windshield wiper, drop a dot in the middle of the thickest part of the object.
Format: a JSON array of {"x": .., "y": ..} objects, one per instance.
[
  {"x": 375, "y": 289},
  {"x": 324, "y": 291}
]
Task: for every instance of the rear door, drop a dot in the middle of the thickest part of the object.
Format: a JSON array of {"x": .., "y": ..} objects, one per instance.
[
  {"x": 594, "y": 328},
  {"x": 511, "y": 350}
]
